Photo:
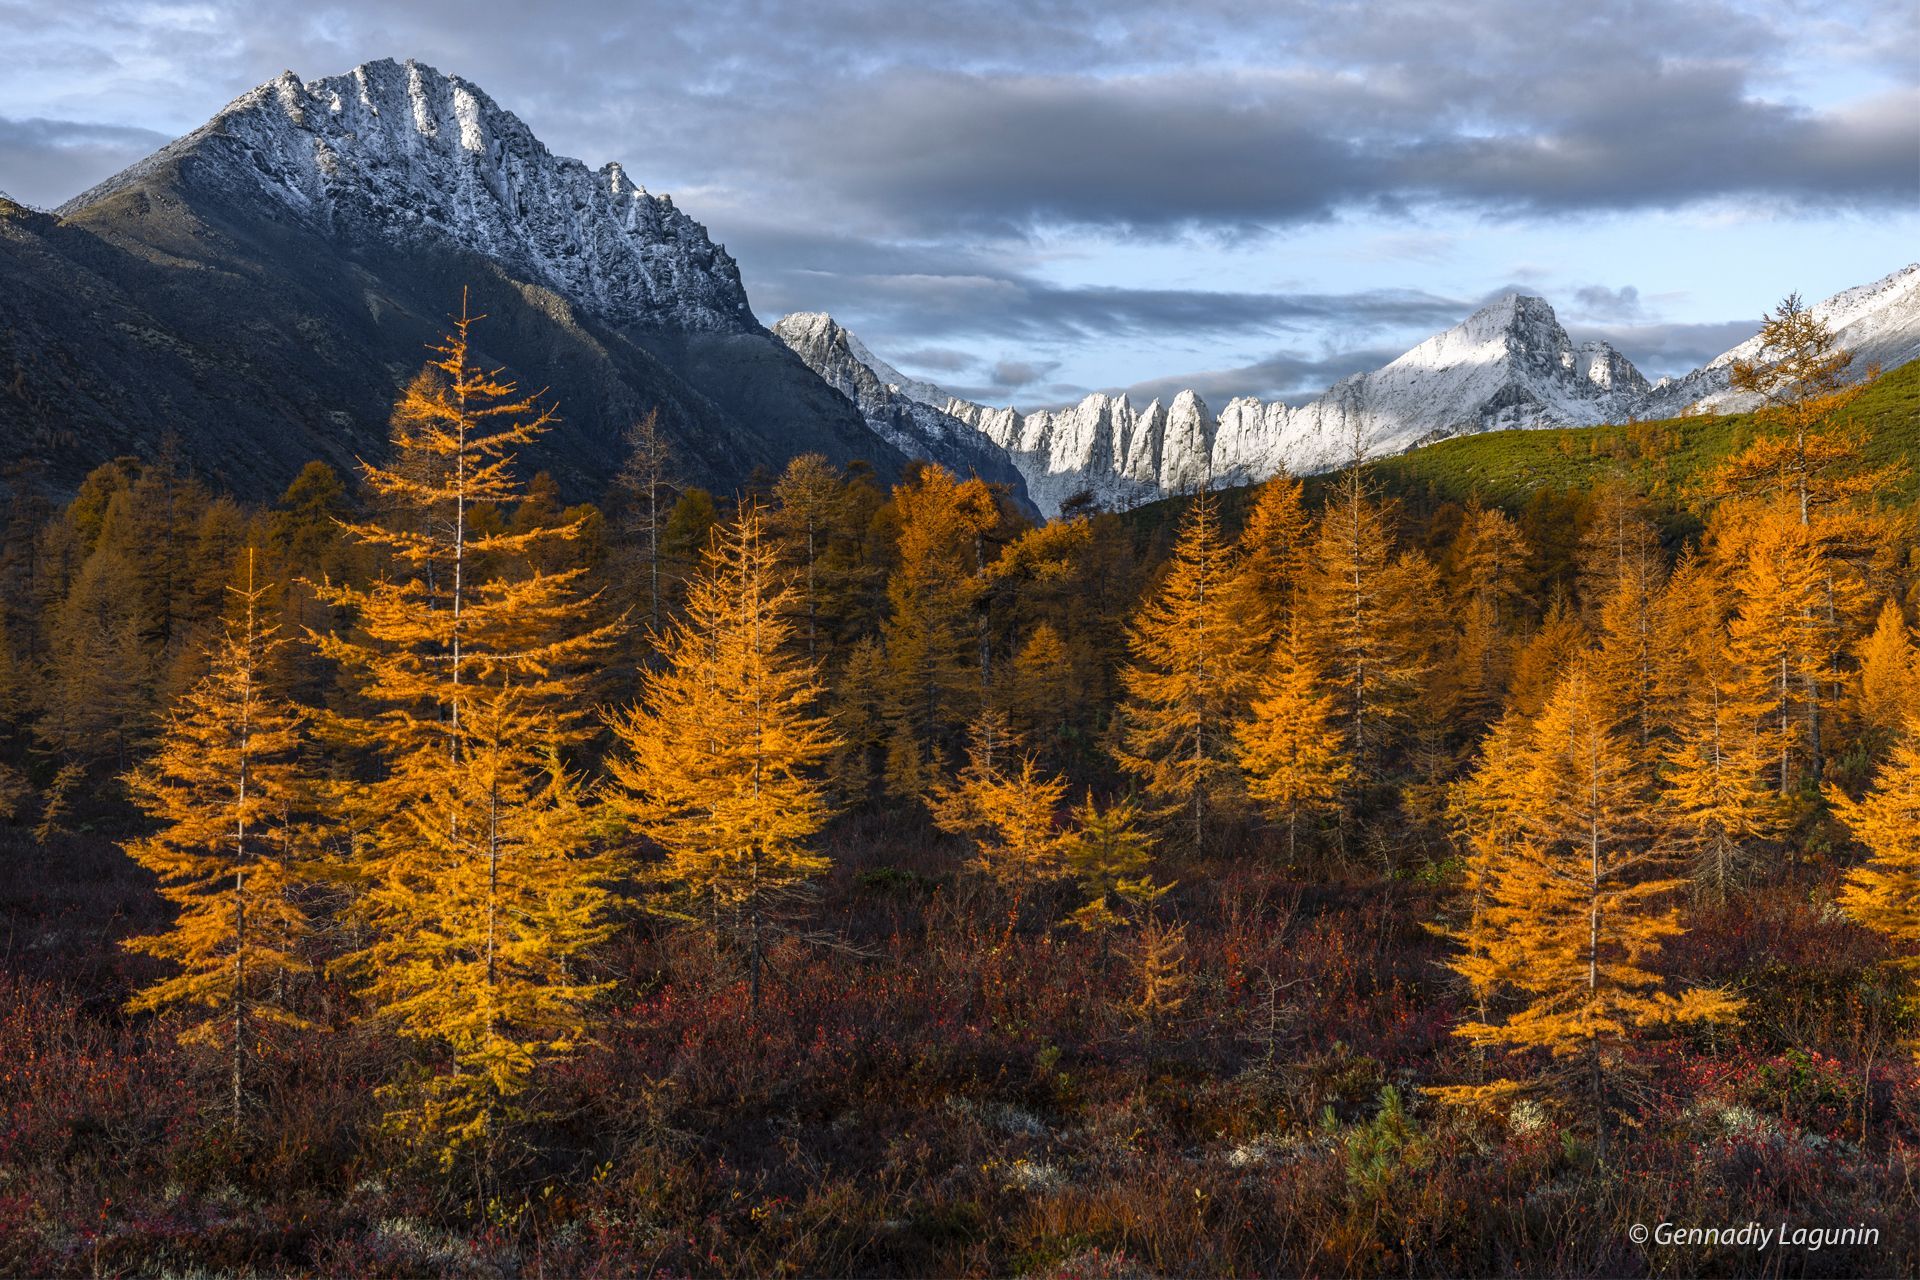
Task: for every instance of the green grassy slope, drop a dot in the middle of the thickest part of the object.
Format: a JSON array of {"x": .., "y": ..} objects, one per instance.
[{"x": 1668, "y": 460}]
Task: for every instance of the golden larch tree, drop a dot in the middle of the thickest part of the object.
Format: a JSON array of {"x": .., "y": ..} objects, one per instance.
[
  {"x": 1362, "y": 624},
  {"x": 1193, "y": 659},
  {"x": 226, "y": 789},
  {"x": 718, "y": 764},
  {"x": 1714, "y": 805},
  {"x": 1805, "y": 381},
  {"x": 1291, "y": 748},
  {"x": 1884, "y": 892},
  {"x": 1776, "y": 628},
  {"x": 1273, "y": 549},
  {"x": 1489, "y": 559},
  {"x": 1038, "y": 691},
  {"x": 1008, "y": 806},
  {"x": 1560, "y": 639},
  {"x": 1565, "y": 940},
  {"x": 477, "y": 885},
  {"x": 1887, "y": 688},
  {"x": 933, "y": 636}
]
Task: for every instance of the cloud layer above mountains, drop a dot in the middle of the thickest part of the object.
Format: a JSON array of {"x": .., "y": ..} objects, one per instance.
[{"x": 1060, "y": 194}]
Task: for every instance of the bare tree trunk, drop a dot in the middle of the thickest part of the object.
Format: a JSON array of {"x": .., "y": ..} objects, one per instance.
[{"x": 239, "y": 990}]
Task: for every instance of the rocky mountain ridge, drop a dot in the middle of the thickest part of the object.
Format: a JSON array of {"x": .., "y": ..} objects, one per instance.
[
  {"x": 402, "y": 152},
  {"x": 1509, "y": 364},
  {"x": 261, "y": 288},
  {"x": 913, "y": 426}
]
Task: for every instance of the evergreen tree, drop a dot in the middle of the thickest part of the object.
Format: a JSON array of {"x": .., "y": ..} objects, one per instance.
[
  {"x": 644, "y": 483},
  {"x": 805, "y": 499},
  {"x": 1111, "y": 855}
]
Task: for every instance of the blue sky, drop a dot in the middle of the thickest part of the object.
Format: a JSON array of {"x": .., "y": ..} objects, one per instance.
[{"x": 1028, "y": 200}]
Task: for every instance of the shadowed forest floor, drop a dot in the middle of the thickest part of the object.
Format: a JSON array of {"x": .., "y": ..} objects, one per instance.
[{"x": 933, "y": 1087}]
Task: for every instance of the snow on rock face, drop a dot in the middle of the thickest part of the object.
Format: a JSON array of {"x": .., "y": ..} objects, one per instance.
[
  {"x": 880, "y": 392},
  {"x": 1510, "y": 364},
  {"x": 397, "y": 151},
  {"x": 1878, "y": 322}
]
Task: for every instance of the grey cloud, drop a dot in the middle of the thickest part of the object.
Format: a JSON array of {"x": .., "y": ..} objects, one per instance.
[
  {"x": 1293, "y": 376},
  {"x": 936, "y": 360},
  {"x": 1021, "y": 373},
  {"x": 44, "y": 161},
  {"x": 923, "y": 308},
  {"x": 996, "y": 117},
  {"x": 1146, "y": 155},
  {"x": 1598, "y": 302},
  {"x": 1658, "y": 350}
]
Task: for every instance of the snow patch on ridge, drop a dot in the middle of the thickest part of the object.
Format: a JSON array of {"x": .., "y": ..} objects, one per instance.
[
  {"x": 1509, "y": 364},
  {"x": 397, "y": 152}
]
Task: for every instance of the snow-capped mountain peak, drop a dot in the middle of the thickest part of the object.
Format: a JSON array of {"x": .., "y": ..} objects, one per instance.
[
  {"x": 887, "y": 399},
  {"x": 1878, "y": 322},
  {"x": 394, "y": 151},
  {"x": 1509, "y": 364}
]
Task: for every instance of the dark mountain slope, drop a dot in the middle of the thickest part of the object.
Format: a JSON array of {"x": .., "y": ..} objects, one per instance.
[{"x": 194, "y": 296}]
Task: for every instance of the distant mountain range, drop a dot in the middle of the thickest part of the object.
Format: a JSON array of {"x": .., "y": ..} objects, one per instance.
[
  {"x": 1509, "y": 364},
  {"x": 887, "y": 401},
  {"x": 260, "y": 289}
]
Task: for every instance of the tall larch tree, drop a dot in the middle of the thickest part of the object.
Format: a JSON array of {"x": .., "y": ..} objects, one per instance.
[
  {"x": 1039, "y": 689},
  {"x": 643, "y": 489},
  {"x": 226, "y": 788},
  {"x": 1010, "y": 808},
  {"x": 1622, "y": 573},
  {"x": 805, "y": 499},
  {"x": 1887, "y": 691},
  {"x": 1537, "y": 667},
  {"x": 1884, "y": 892},
  {"x": 1805, "y": 381},
  {"x": 1291, "y": 748},
  {"x": 478, "y": 887},
  {"x": 933, "y": 635},
  {"x": 1192, "y": 667},
  {"x": 1775, "y": 630},
  {"x": 1811, "y": 460},
  {"x": 1489, "y": 562},
  {"x": 719, "y": 763},
  {"x": 1714, "y": 806},
  {"x": 1359, "y": 623},
  {"x": 1273, "y": 549},
  {"x": 1564, "y": 945}
]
